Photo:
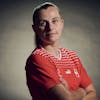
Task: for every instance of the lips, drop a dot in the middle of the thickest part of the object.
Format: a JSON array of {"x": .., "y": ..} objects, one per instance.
[{"x": 50, "y": 33}]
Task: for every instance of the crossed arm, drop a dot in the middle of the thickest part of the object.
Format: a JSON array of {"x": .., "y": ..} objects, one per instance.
[{"x": 61, "y": 92}]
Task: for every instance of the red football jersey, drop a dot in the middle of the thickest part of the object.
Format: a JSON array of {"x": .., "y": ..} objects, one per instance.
[{"x": 44, "y": 70}]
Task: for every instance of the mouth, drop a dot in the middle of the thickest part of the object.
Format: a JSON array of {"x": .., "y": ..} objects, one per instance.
[{"x": 50, "y": 33}]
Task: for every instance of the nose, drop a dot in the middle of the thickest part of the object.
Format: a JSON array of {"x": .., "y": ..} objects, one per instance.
[{"x": 49, "y": 27}]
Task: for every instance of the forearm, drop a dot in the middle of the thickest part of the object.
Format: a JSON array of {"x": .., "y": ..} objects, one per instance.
[
  {"x": 78, "y": 94},
  {"x": 62, "y": 92},
  {"x": 74, "y": 95},
  {"x": 59, "y": 93}
]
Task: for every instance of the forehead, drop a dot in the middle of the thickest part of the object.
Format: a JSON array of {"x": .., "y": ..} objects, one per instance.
[{"x": 49, "y": 12}]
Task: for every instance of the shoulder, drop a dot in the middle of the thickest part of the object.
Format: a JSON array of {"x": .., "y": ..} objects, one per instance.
[
  {"x": 69, "y": 52},
  {"x": 39, "y": 52},
  {"x": 72, "y": 55},
  {"x": 39, "y": 57}
]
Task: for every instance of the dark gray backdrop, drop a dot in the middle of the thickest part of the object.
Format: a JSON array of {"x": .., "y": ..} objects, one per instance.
[{"x": 81, "y": 34}]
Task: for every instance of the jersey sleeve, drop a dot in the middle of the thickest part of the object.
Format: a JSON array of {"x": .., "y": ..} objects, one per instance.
[
  {"x": 85, "y": 78},
  {"x": 42, "y": 72}
]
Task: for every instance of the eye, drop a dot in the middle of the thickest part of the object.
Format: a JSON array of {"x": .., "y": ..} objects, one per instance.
[
  {"x": 42, "y": 23},
  {"x": 55, "y": 21}
]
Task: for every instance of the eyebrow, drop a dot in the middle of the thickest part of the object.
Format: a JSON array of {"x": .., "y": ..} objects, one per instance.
[
  {"x": 56, "y": 17},
  {"x": 52, "y": 18}
]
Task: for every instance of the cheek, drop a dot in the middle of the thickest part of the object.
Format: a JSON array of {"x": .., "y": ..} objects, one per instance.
[
  {"x": 60, "y": 28},
  {"x": 42, "y": 35},
  {"x": 40, "y": 32},
  {"x": 61, "y": 25}
]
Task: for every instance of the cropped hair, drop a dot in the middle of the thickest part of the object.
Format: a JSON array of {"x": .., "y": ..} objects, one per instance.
[{"x": 40, "y": 7}]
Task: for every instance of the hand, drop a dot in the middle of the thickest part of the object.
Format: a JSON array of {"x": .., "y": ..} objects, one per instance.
[
  {"x": 82, "y": 91},
  {"x": 64, "y": 83},
  {"x": 78, "y": 94}
]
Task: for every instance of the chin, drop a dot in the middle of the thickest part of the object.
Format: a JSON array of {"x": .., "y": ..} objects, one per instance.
[{"x": 51, "y": 40}]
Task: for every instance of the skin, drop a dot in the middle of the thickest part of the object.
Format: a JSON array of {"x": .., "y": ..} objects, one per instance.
[{"x": 49, "y": 31}]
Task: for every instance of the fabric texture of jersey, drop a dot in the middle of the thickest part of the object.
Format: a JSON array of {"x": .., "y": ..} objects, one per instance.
[{"x": 43, "y": 72}]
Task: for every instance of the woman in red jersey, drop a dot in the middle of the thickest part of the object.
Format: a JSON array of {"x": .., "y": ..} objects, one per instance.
[{"x": 55, "y": 73}]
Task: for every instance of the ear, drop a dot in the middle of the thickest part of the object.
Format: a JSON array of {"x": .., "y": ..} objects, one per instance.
[
  {"x": 62, "y": 22},
  {"x": 34, "y": 28}
]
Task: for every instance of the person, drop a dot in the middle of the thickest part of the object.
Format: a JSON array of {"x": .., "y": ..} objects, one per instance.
[{"x": 53, "y": 72}]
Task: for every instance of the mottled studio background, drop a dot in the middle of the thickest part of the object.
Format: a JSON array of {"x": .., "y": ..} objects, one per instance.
[{"x": 81, "y": 34}]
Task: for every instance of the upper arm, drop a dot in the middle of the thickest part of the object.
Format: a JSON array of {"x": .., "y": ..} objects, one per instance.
[
  {"x": 85, "y": 78},
  {"x": 41, "y": 72}
]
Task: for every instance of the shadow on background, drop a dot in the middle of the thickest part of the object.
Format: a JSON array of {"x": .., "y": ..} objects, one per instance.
[{"x": 81, "y": 34}]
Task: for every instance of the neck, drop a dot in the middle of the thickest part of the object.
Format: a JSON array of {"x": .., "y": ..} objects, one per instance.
[
  {"x": 52, "y": 49},
  {"x": 53, "y": 46}
]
